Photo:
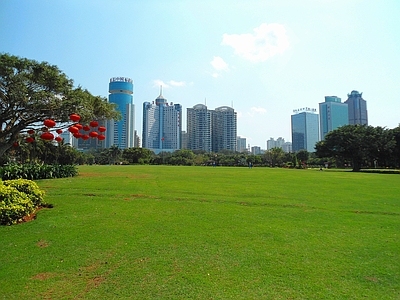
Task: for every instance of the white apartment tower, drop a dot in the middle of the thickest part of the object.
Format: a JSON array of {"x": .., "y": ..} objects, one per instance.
[
  {"x": 224, "y": 129},
  {"x": 199, "y": 128}
]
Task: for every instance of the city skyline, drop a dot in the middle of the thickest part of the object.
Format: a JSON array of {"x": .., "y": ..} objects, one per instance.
[{"x": 262, "y": 58}]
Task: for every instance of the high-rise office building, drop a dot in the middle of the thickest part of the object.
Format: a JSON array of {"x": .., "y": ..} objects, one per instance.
[
  {"x": 162, "y": 127},
  {"x": 199, "y": 128},
  {"x": 305, "y": 132},
  {"x": 287, "y": 147},
  {"x": 121, "y": 133},
  {"x": 357, "y": 109},
  {"x": 332, "y": 114},
  {"x": 184, "y": 140},
  {"x": 241, "y": 144},
  {"x": 255, "y": 150},
  {"x": 224, "y": 129}
]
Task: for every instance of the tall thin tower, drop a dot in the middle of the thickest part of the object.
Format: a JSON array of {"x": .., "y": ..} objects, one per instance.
[{"x": 121, "y": 133}]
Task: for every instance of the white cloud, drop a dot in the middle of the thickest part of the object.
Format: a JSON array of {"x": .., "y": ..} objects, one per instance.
[
  {"x": 219, "y": 64},
  {"x": 177, "y": 83},
  {"x": 157, "y": 83},
  {"x": 172, "y": 83},
  {"x": 258, "y": 110},
  {"x": 267, "y": 41}
]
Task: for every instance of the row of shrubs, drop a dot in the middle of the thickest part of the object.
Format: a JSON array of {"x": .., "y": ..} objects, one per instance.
[
  {"x": 34, "y": 171},
  {"x": 19, "y": 198}
]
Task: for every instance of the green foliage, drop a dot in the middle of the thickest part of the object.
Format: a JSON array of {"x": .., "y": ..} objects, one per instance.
[
  {"x": 28, "y": 187},
  {"x": 36, "y": 171},
  {"x": 14, "y": 205},
  {"x": 32, "y": 91},
  {"x": 137, "y": 155},
  {"x": 360, "y": 146}
]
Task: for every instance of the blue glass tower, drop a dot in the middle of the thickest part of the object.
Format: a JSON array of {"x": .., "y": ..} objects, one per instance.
[
  {"x": 333, "y": 114},
  {"x": 305, "y": 130},
  {"x": 121, "y": 133}
]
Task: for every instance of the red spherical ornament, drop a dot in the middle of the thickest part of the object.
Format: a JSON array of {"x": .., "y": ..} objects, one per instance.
[
  {"x": 73, "y": 129},
  {"x": 102, "y": 129},
  {"x": 47, "y": 136},
  {"x": 79, "y": 126},
  {"x": 31, "y": 131},
  {"x": 59, "y": 131},
  {"x": 85, "y": 137},
  {"x": 74, "y": 117},
  {"x": 59, "y": 139},
  {"x": 15, "y": 144},
  {"x": 93, "y": 134},
  {"x": 30, "y": 139},
  {"x": 77, "y": 135},
  {"x": 49, "y": 123},
  {"x": 94, "y": 124},
  {"x": 86, "y": 128},
  {"x": 101, "y": 137}
]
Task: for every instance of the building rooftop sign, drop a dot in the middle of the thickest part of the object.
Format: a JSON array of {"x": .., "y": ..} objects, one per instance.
[
  {"x": 123, "y": 79},
  {"x": 304, "y": 109}
]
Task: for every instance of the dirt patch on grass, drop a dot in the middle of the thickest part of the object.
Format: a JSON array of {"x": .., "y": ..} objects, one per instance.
[
  {"x": 44, "y": 276},
  {"x": 373, "y": 279},
  {"x": 42, "y": 244}
]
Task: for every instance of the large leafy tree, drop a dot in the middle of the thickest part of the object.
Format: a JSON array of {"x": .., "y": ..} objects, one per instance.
[
  {"x": 32, "y": 91},
  {"x": 357, "y": 145},
  {"x": 137, "y": 155}
]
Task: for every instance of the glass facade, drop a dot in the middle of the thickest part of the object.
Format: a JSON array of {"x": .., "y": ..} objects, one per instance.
[
  {"x": 162, "y": 126},
  {"x": 357, "y": 109},
  {"x": 305, "y": 131},
  {"x": 333, "y": 114},
  {"x": 121, "y": 133}
]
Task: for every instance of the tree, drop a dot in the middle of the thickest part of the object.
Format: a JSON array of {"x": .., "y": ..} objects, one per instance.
[
  {"x": 354, "y": 144},
  {"x": 396, "y": 150},
  {"x": 32, "y": 91},
  {"x": 302, "y": 157},
  {"x": 137, "y": 155},
  {"x": 274, "y": 157},
  {"x": 114, "y": 154}
]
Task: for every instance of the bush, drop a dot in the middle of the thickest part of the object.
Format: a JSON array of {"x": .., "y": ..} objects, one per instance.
[
  {"x": 14, "y": 205},
  {"x": 37, "y": 171},
  {"x": 30, "y": 188}
]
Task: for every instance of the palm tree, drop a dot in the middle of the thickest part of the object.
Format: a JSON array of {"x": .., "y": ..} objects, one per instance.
[{"x": 115, "y": 153}]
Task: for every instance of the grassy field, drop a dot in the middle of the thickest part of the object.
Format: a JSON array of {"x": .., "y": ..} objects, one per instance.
[{"x": 161, "y": 232}]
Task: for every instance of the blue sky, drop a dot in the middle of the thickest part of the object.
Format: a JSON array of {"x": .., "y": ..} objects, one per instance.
[{"x": 265, "y": 58}]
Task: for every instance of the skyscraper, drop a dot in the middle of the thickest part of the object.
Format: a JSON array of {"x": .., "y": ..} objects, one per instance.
[
  {"x": 199, "y": 128},
  {"x": 357, "y": 109},
  {"x": 332, "y": 114},
  {"x": 224, "y": 128},
  {"x": 121, "y": 133},
  {"x": 305, "y": 133},
  {"x": 241, "y": 144},
  {"x": 162, "y": 127}
]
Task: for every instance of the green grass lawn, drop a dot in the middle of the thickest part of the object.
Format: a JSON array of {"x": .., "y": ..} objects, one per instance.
[{"x": 162, "y": 232}]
